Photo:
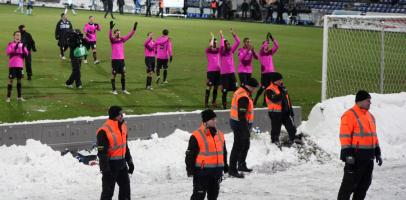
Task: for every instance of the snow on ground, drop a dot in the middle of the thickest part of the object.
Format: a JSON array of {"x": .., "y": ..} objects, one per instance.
[{"x": 36, "y": 172}]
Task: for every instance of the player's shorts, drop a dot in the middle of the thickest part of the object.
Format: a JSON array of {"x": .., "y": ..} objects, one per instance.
[
  {"x": 150, "y": 63},
  {"x": 244, "y": 77},
  {"x": 118, "y": 66},
  {"x": 15, "y": 72},
  {"x": 162, "y": 63},
  {"x": 266, "y": 79},
  {"x": 213, "y": 78},
  {"x": 228, "y": 82},
  {"x": 90, "y": 44}
]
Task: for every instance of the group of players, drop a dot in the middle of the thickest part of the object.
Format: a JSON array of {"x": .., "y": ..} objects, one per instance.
[
  {"x": 220, "y": 65},
  {"x": 220, "y": 58}
]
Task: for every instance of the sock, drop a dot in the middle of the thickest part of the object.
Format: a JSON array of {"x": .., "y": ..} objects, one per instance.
[
  {"x": 94, "y": 56},
  {"x": 123, "y": 84},
  {"x": 113, "y": 84},
  {"x": 19, "y": 90},
  {"x": 9, "y": 88},
  {"x": 224, "y": 99},
  {"x": 149, "y": 80},
  {"x": 62, "y": 52},
  {"x": 165, "y": 74},
  {"x": 214, "y": 96},
  {"x": 206, "y": 97},
  {"x": 158, "y": 72}
]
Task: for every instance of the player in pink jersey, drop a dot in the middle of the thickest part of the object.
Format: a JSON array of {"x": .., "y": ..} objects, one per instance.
[
  {"x": 16, "y": 52},
  {"x": 90, "y": 30},
  {"x": 267, "y": 67},
  {"x": 163, "y": 54},
  {"x": 245, "y": 56},
  {"x": 117, "y": 55},
  {"x": 213, "y": 71},
  {"x": 149, "y": 52}
]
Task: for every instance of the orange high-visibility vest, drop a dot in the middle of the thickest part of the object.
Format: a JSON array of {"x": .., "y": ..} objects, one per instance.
[
  {"x": 211, "y": 153},
  {"x": 241, "y": 92},
  {"x": 117, "y": 139},
  {"x": 272, "y": 106},
  {"x": 358, "y": 130}
]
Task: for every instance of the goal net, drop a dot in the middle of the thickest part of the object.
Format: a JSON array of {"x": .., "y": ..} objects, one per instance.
[{"x": 363, "y": 52}]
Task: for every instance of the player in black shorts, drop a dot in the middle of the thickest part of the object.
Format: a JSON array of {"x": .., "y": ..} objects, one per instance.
[
  {"x": 16, "y": 52},
  {"x": 149, "y": 50},
  {"x": 213, "y": 71}
]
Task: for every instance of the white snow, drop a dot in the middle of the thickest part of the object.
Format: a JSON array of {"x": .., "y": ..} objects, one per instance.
[{"x": 37, "y": 172}]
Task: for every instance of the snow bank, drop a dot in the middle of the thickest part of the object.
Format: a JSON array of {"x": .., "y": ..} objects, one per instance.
[{"x": 390, "y": 114}]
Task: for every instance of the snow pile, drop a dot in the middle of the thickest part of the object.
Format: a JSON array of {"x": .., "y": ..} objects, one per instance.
[{"x": 390, "y": 114}]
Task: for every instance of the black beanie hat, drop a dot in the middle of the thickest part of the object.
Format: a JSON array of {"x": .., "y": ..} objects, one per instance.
[
  {"x": 20, "y": 28},
  {"x": 252, "y": 82},
  {"x": 276, "y": 76},
  {"x": 114, "y": 111},
  {"x": 207, "y": 115},
  {"x": 362, "y": 95}
]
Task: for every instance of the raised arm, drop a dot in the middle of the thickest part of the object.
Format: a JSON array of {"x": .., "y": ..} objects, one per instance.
[
  {"x": 128, "y": 36},
  {"x": 236, "y": 43},
  {"x": 275, "y": 47}
]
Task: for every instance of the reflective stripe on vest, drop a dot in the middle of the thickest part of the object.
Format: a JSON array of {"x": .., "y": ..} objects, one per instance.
[
  {"x": 361, "y": 135},
  {"x": 241, "y": 92},
  {"x": 207, "y": 158},
  {"x": 117, "y": 143}
]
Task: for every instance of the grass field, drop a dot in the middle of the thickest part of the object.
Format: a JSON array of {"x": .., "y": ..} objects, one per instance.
[{"x": 298, "y": 59}]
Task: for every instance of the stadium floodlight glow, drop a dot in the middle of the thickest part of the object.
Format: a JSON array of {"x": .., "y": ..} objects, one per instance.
[{"x": 363, "y": 52}]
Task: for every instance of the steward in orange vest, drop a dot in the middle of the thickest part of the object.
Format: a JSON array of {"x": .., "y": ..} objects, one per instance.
[
  {"x": 206, "y": 158},
  {"x": 280, "y": 110},
  {"x": 241, "y": 119},
  {"x": 359, "y": 148},
  {"x": 114, "y": 155}
]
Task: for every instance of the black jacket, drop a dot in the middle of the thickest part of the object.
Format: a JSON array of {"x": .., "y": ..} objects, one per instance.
[
  {"x": 243, "y": 125},
  {"x": 107, "y": 165},
  {"x": 61, "y": 27},
  {"x": 73, "y": 40},
  {"x": 286, "y": 107},
  {"x": 28, "y": 41},
  {"x": 190, "y": 160}
]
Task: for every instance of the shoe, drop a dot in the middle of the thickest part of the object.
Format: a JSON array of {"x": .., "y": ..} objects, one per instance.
[
  {"x": 126, "y": 92},
  {"x": 157, "y": 79},
  {"x": 165, "y": 82},
  {"x": 79, "y": 87},
  {"x": 114, "y": 92},
  {"x": 29, "y": 78},
  {"x": 234, "y": 173},
  {"x": 214, "y": 105},
  {"x": 8, "y": 99},
  {"x": 96, "y": 62},
  {"x": 244, "y": 168},
  {"x": 149, "y": 88},
  {"x": 69, "y": 86},
  {"x": 62, "y": 57},
  {"x": 85, "y": 61},
  {"x": 20, "y": 99}
]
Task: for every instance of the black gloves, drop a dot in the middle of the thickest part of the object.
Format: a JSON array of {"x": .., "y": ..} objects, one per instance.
[
  {"x": 16, "y": 46},
  {"x": 130, "y": 168},
  {"x": 225, "y": 168},
  {"x": 350, "y": 160},
  {"x": 111, "y": 25},
  {"x": 379, "y": 160},
  {"x": 34, "y": 49},
  {"x": 135, "y": 26},
  {"x": 270, "y": 36},
  {"x": 170, "y": 59},
  {"x": 189, "y": 172}
]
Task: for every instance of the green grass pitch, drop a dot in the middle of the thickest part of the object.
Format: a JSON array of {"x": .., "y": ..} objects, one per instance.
[{"x": 298, "y": 59}]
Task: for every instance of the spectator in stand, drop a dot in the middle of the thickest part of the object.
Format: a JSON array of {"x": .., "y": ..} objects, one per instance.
[
  {"x": 245, "y": 7},
  {"x": 201, "y": 8},
  {"x": 148, "y": 4},
  {"x": 213, "y": 6},
  {"x": 280, "y": 9},
  {"x": 293, "y": 15},
  {"x": 120, "y": 4},
  {"x": 185, "y": 7},
  {"x": 269, "y": 12}
]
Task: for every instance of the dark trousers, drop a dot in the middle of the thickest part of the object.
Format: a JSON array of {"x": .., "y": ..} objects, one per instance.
[
  {"x": 277, "y": 119},
  {"x": 148, "y": 12},
  {"x": 121, "y": 8},
  {"x": 203, "y": 185},
  {"x": 244, "y": 14},
  {"x": 160, "y": 12},
  {"x": 28, "y": 68},
  {"x": 109, "y": 182},
  {"x": 241, "y": 146},
  {"x": 75, "y": 75},
  {"x": 244, "y": 77},
  {"x": 109, "y": 9},
  {"x": 357, "y": 179}
]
